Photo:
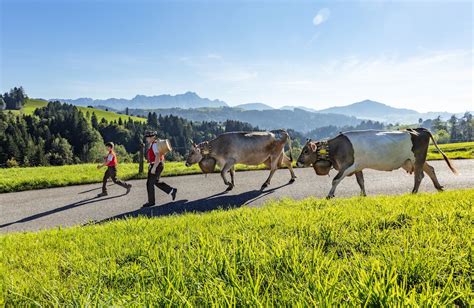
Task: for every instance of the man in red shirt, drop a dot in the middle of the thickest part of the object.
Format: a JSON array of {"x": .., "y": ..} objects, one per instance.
[
  {"x": 156, "y": 165},
  {"x": 111, "y": 162}
]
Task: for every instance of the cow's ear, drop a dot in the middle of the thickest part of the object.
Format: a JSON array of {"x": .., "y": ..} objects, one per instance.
[{"x": 313, "y": 146}]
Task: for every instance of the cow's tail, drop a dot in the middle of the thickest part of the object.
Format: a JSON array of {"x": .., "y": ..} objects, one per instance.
[
  {"x": 446, "y": 159},
  {"x": 287, "y": 138}
]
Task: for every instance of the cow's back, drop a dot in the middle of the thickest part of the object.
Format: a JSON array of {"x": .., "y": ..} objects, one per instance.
[{"x": 380, "y": 150}]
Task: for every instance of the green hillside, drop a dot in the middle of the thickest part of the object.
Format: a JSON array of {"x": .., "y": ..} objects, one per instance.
[
  {"x": 411, "y": 250},
  {"x": 33, "y": 104}
]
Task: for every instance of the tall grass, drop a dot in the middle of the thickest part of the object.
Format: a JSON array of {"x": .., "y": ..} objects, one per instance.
[{"x": 377, "y": 251}]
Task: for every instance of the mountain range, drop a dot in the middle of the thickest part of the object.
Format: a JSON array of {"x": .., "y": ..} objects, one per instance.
[{"x": 367, "y": 109}]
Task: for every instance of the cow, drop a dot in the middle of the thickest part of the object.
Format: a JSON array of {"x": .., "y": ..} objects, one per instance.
[
  {"x": 249, "y": 148},
  {"x": 351, "y": 152}
]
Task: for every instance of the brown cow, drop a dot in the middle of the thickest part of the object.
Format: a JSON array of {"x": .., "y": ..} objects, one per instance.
[{"x": 249, "y": 148}]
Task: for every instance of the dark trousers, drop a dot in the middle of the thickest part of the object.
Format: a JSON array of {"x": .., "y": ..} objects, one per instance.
[
  {"x": 154, "y": 179},
  {"x": 111, "y": 172}
]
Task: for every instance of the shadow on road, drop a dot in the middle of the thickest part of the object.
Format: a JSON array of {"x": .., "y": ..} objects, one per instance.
[
  {"x": 60, "y": 209},
  {"x": 214, "y": 202}
]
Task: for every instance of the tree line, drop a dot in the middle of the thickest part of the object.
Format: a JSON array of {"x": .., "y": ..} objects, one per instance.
[
  {"x": 14, "y": 99},
  {"x": 61, "y": 134}
]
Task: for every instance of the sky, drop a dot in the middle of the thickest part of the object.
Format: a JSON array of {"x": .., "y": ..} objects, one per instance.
[{"x": 407, "y": 54}]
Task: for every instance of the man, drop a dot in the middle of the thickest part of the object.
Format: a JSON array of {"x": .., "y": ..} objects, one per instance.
[
  {"x": 111, "y": 162},
  {"x": 156, "y": 165}
]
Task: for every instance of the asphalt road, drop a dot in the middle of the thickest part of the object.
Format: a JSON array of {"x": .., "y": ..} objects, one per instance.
[{"x": 77, "y": 205}]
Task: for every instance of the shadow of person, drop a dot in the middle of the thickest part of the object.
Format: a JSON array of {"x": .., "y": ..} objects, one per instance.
[
  {"x": 214, "y": 202},
  {"x": 60, "y": 209}
]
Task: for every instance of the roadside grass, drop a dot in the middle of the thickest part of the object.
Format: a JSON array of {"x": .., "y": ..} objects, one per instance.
[
  {"x": 410, "y": 250},
  {"x": 28, "y": 178},
  {"x": 462, "y": 150},
  {"x": 32, "y": 104}
]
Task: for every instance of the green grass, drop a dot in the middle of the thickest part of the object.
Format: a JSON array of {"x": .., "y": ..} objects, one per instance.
[
  {"x": 32, "y": 104},
  {"x": 462, "y": 150},
  {"x": 19, "y": 179},
  {"x": 376, "y": 251}
]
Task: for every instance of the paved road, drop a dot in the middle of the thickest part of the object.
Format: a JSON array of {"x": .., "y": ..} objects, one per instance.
[{"x": 76, "y": 205}]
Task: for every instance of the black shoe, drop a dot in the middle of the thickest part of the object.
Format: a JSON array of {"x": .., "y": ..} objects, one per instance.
[
  {"x": 173, "y": 193},
  {"x": 102, "y": 194},
  {"x": 129, "y": 187},
  {"x": 148, "y": 204}
]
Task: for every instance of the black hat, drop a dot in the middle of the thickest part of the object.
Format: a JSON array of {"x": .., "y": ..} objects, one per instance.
[
  {"x": 150, "y": 133},
  {"x": 109, "y": 144}
]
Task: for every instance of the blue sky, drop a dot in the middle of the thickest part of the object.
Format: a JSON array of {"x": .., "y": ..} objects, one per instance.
[{"x": 317, "y": 54}]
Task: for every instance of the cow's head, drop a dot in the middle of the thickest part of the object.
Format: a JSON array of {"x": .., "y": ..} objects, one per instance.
[
  {"x": 308, "y": 154},
  {"x": 194, "y": 155}
]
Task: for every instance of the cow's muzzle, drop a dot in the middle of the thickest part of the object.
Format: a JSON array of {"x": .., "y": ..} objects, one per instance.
[
  {"x": 299, "y": 164},
  {"x": 188, "y": 164}
]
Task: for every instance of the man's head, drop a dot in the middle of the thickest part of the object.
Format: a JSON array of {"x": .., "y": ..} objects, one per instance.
[
  {"x": 150, "y": 136},
  {"x": 110, "y": 146}
]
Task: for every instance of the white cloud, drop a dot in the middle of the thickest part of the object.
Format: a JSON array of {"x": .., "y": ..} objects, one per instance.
[{"x": 321, "y": 16}]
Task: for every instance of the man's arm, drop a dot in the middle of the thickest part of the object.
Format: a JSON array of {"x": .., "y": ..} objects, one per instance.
[
  {"x": 157, "y": 158},
  {"x": 109, "y": 158}
]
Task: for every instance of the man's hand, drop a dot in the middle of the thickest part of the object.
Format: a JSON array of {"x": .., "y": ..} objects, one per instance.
[{"x": 99, "y": 166}]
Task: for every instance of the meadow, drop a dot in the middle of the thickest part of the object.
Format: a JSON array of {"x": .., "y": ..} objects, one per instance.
[
  {"x": 32, "y": 104},
  {"x": 18, "y": 179},
  {"x": 375, "y": 251}
]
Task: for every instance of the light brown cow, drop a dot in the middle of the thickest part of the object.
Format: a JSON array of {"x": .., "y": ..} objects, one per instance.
[{"x": 249, "y": 148}]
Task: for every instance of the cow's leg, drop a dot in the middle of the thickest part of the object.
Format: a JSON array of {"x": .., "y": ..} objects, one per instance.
[
  {"x": 418, "y": 176},
  {"x": 431, "y": 173},
  {"x": 232, "y": 174},
  {"x": 225, "y": 169},
  {"x": 360, "y": 181},
  {"x": 338, "y": 178},
  {"x": 274, "y": 167},
  {"x": 287, "y": 162}
]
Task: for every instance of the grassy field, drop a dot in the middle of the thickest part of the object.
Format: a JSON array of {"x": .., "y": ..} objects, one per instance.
[
  {"x": 462, "y": 150},
  {"x": 18, "y": 179},
  {"x": 32, "y": 104},
  {"x": 376, "y": 251}
]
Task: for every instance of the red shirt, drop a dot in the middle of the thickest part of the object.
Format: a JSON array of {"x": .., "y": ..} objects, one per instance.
[
  {"x": 151, "y": 153},
  {"x": 111, "y": 162}
]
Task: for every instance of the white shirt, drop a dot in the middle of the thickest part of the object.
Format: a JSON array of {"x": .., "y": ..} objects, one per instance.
[{"x": 110, "y": 157}]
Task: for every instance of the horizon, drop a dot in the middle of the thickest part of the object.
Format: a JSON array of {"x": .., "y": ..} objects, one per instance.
[
  {"x": 312, "y": 54},
  {"x": 236, "y": 105}
]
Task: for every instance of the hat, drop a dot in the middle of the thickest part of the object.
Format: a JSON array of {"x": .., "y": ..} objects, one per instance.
[
  {"x": 150, "y": 133},
  {"x": 110, "y": 144}
]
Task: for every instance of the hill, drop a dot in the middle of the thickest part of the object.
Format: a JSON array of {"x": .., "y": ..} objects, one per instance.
[
  {"x": 296, "y": 119},
  {"x": 411, "y": 250},
  {"x": 186, "y": 100},
  {"x": 254, "y": 106},
  {"x": 32, "y": 104},
  {"x": 373, "y": 110}
]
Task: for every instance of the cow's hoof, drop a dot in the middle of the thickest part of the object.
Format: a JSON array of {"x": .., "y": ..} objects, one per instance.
[
  {"x": 264, "y": 186},
  {"x": 229, "y": 188},
  {"x": 292, "y": 180},
  {"x": 329, "y": 197}
]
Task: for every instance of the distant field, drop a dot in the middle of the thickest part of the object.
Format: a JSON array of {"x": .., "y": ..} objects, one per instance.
[
  {"x": 18, "y": 179},
  {"x": 462, "y": 150},
  {"x": 411, "y": 250},
  {"x": 33, "y": 104}
]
